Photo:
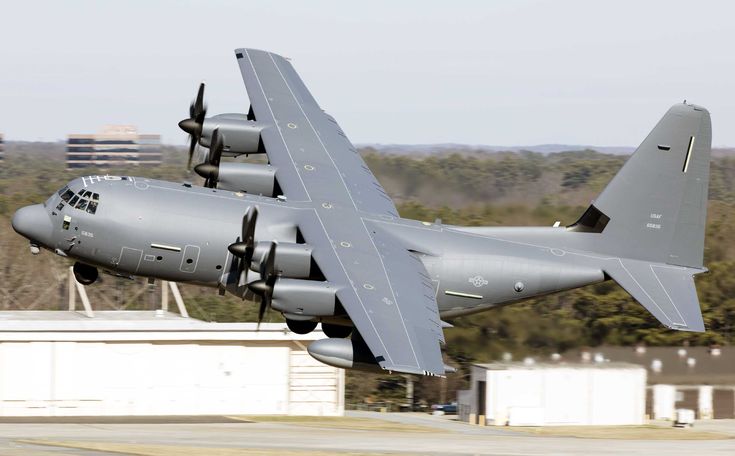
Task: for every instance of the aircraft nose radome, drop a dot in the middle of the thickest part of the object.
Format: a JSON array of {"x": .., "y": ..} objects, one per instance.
[{"x": 33, "y": 222}]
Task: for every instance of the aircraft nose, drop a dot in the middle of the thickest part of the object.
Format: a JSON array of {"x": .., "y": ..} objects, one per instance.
[{"x": 33, "y": 222}]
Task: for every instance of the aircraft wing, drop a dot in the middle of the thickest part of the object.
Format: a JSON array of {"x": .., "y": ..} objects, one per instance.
[
  {"x": 314, "y": 160},
  {"x": 384, "y": 288}
]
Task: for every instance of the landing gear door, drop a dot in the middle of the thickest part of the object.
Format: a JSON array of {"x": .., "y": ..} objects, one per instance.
[{"x": 189, "y": 259}]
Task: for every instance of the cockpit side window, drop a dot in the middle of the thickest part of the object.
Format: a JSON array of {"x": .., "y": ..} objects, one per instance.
[
  {"x": 82, "y": 205},
  {"x": 92, "y": 207},
  {"x": 73, "y": 200}
]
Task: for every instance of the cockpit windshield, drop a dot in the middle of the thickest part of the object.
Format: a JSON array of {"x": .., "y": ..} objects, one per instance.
[{"x": 83, "y": 200}]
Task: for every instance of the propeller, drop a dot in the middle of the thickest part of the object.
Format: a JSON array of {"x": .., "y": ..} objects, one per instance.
[
  {"x": 245, "y": 247},
  {"x": 209, "y": 170},
  {"x": 193, "y": 125},
  {"x": 264, "y": 286}
]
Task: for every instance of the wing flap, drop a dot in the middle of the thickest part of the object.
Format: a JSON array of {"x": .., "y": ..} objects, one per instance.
[{"x": 384, "y": 290}]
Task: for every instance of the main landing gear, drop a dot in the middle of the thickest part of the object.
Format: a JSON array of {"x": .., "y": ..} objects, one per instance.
[
  {"x": 301, "y": 326},
  {"x": 336, "y": 331},
  {"x": 330, "y": 330},
  {"x": 85, "y": 274}
]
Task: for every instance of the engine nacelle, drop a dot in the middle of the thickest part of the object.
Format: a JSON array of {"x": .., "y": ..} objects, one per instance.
[
  {"x": 240, "y": 135},
  {"x": 304, "y": 297},
  {"x": 292, "y": 260},
  {"x": 247, "y": 177}
]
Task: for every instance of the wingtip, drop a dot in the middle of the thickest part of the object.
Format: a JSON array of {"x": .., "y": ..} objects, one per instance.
[{"x": 241, "y": 52}]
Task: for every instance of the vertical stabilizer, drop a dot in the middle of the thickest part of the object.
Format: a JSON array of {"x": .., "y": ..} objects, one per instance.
[
  {"x": 649, "y": 222},
  {"x": 655, "y": 208}
]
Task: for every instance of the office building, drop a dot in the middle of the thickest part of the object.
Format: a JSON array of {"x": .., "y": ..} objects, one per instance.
[{"x": 114, "y": 145}]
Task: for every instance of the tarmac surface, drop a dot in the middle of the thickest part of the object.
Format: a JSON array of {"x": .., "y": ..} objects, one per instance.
[{"x": 361, "y": 433}]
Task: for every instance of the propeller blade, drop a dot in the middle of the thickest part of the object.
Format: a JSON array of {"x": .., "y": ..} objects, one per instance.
[
  {"x": 193, "y": 125},
  {"x": 192, "y": 146},
  {"x": 249, "y": 221},
  {"x": 268, "y": 266},
  {"x": 268, "y": 277},
  {"x": 264, "y": 304},
  {"x": 245, "y": 246},
  {"x": 216, "y": 147},
  {"x": 198, "y": 107},
  {"x": 215, "y": 155}
]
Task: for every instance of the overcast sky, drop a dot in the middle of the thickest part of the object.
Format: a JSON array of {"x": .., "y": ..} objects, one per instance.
[{"x": 475, "y": 72}]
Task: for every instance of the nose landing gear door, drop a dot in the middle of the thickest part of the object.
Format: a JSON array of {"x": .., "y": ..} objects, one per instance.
[{"x": 189, "y": 259}]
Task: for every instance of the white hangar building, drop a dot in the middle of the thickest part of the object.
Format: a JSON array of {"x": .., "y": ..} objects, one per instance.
[
  {"x": 57, "y": 363},
  {"x": 555, "y": 394}
]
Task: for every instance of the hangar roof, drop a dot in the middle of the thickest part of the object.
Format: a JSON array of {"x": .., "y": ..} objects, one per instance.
[{"x": 60, "y": 325}]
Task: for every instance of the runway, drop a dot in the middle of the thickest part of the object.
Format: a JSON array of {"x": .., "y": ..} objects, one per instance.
[{"x": 358, "y": 434}]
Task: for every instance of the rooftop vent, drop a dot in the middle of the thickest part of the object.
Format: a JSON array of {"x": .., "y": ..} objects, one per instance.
[{"x": 657, "y": 365}]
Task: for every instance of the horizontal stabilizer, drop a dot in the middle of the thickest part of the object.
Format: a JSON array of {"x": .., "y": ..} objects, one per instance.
[{"x": 667, "y": 291}]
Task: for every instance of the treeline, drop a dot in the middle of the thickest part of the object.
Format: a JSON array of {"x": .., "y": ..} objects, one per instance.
[{"x": 463, "y": 189}]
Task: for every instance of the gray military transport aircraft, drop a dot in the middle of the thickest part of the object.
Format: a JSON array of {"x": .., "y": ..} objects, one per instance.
[{"x": 313, "y": 235}]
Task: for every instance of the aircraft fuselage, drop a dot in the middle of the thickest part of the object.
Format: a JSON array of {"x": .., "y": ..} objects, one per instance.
[{"x": 178, "y": 232}]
